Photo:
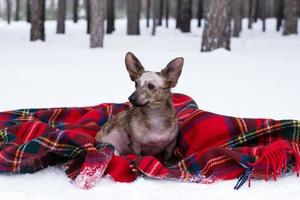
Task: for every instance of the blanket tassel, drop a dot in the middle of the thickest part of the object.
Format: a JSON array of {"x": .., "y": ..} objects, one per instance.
[
  {"x": 242, "y": 180},
  {"x": 274, "y": 157}
]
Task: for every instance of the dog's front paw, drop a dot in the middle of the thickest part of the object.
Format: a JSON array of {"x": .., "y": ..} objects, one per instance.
[{"x": 116, "y": 152}]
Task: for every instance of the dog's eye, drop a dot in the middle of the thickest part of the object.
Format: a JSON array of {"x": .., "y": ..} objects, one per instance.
[
  {"x": 150, "y": 86},
  {"x": 135, "y": 84}
]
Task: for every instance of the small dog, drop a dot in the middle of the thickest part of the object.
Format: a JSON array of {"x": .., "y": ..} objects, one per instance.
[{"x": 150, "y": 126}]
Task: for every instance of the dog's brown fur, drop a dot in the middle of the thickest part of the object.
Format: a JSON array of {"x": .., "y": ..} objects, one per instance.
[{"x": 150, "y": 126}]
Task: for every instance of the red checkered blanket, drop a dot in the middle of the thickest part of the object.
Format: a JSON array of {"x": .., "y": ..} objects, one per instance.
[{"x": 210, "y": 146}]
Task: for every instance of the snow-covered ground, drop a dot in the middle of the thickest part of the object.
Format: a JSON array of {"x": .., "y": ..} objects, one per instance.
[{"x": 260, "y": 77}]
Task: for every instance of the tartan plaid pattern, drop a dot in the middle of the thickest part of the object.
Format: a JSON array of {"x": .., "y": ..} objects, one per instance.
[{"x": 210, "y": 146}]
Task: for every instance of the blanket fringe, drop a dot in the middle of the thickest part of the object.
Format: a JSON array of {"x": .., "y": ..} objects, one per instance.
[{"x": 275, "y": 159}]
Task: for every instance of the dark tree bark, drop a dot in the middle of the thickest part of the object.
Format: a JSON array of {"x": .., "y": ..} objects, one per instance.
[
  {"x": 279, "y": 14},
  {"x": 97, "y": 23},
  {"x": 17, "y": 13},
  {"x": 61, "y": 16},
  {"x": 148, "y": 7},
  {"x": 262, "y": 6},
  {"x": 28, "y": 10},
  {"x": 75, "y": 11},
  {"x": 161, "y": 12},
  {"x": 37, "y": 31},
  {"x": 245, "y": 4},
  {"x": 200, "y": 12},
  {"x": 256, "y": 11},
  {"x": 216, "y": 33},
  {"x": 110, "y": 12},
  {"x": 88, "y": 15},
  {"x": 167, "y": 11},
  {"x": 290, "y": 17},
  {"x": 8, "y": 11},
  {"x": 133, "y": 17},
  {"x": 250, "y": 14},
  {"x": 253, "y": 13},
  {"x": 155, "y": 10},
  {"x": 178, "y": 17},
  {"x": 237, "y": 17},
  {"x": 185, "y": 15}
]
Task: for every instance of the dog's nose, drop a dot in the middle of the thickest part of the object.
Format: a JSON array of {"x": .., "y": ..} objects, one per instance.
[{"x": 131, "y": 98}]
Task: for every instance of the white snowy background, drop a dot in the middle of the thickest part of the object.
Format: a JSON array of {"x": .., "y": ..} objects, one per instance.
[{"x": 260, "y": 77}]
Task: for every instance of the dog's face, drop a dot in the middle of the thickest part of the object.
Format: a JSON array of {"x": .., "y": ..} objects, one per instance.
[{"x": 152, "y": 87}]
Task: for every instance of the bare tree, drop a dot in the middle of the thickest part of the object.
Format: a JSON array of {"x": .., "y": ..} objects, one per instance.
[
  {"x": 160, "y": 12},
  {"x": 28, "y": 10},
  {"x": 133, "y": 8},
  {"x": 216, "y": 33},
  {"x": 1, "y": 10},
  {"x": 262, "y": 11},
  {"x": 167, "y": 12},
  {"x": 110, "y": 16},
  {"x": 200, "y": 12},
  {"x": 290, "y": 17},
  {"x": 279, "y": 14},
  {"x": 88, "y": 15},
  {"x": 252, "y": 13},
  {"x": 97, "y": 23},
  {"x": 148, "y": 7},
  {"x": 178, "y": 12},
  {"x": 17, "y": 16},
  {"x": 75, "y": 10},
  {"x": 237, "y": 17},
  {"x": 8, "y": 11},
  {"x": 185, "y": 15},
  {"x": 155, "y": 10},
  {"x": 37, "y": 31},
  {"x": 61, "y": 16}
]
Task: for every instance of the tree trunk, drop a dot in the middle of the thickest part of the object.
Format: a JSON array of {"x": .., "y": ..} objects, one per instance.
[
  {"x": 253, "y": 13},
  {"x": 61, "y": 17},
  {"x": 97, "y": 23},
  {"x": 37, "y": 31},
  {"x": 178, "y": 17},
  {"x": 28, "y": 11},
  {"x": 200, "y": 12},
  {"x": 8, "y": 11},
  {"x": 161, "y": 12},
  {"x": 88, "y": 15},
  {"x": 155, "y": 10},
  {"x": 245, "y": 4},
  {"x": 75, "y": 10},
  {"x": 216, "y": 33},
  {"x": 17, "y": 13},
  {"x": 237, "y": 17},
  {"x": 250, "y": 14},
  {"x": 262, "y": 6},
  {"x": 279, "y": 14},
  {"x": 290, "y": 17},
  {"x": 1, "y": 14},
  {"x": 167, "y": 11},
  {"x": 133, "y": 17},
  {"x": 148, "y": 6},
  {"x": 256, "y": 10},
  {"x": 185, "y": 15},
  {"x": 110, "y": 16}
]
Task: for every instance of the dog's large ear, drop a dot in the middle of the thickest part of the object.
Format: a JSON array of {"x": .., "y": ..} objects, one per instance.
[
  {"x": 133, "y": 66},
  {"x": 172, "y": 71}
]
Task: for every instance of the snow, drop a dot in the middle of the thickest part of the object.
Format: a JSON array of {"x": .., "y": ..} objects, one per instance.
[{"x": 258, "y": 78}]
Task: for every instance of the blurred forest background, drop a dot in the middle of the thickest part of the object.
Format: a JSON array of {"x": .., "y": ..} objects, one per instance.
[{"x": 222, "y": 19}]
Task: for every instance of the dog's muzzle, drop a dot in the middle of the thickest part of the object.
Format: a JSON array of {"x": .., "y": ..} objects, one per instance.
[{"x": 133, "y": 100}]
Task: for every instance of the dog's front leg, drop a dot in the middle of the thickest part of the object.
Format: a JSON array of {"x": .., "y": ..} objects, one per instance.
[
  {"x": 136, "y": 148},
  {"x": 169, "y": 151}
]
